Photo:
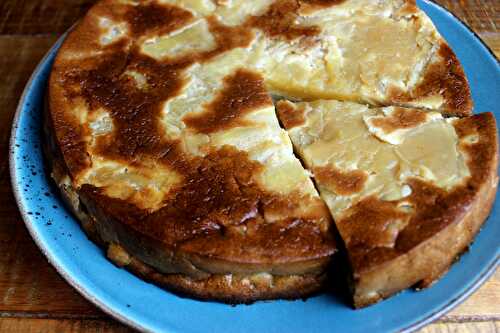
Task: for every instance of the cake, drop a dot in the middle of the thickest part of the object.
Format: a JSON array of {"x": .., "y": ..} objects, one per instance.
[{"x": 163, "y": 137}]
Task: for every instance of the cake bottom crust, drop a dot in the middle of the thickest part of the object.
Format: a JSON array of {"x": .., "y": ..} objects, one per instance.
[{"x": 229, "y": 288}]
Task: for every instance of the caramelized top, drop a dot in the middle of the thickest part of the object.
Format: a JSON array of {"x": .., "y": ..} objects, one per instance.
[
  {"x": 164, "y": 118},
  {"x": 242, "y": 92},
  {"x": 401, "y": 119},
  {"x": 289, "y": 116},
  {"x": 447, "y": 76},
  {"x": 432, "y": 208},
  {"x": 341, "y": 182},
  {"x": 443, "y": 76},
  {"x": 134, "y": 110},
  {"x": 372, "y": 223},
  {"x": 154, "y": 18},
  {"x": 280, "y": 20}
]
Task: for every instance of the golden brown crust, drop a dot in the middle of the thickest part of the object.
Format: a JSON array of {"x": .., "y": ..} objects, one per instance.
[
  {"x": 424, "y": 264},
  {"x": 280, "y": 21},
  {"x": 243, "y": 91},
  {"x": 444, "y": 76},
  {"x": 221, "y": 287},
  {"x": 434, "y": 209},
  {"x": 289, "y": 115},
  {"x": 215, "y": 221},
  {"x": 369, "y": 225},
  {"x": 233, "y": 289},
  {"x": 229, "y": 226},
  {"x": 442, "y": 226},
  {"x": 68, "y": 134},
  {"x": 400, "y": 119},
  {"x": 154, "y": 18},
  {"x": 339, "y": 181},
  {"x": 84, "y": 68},
  {"x": 137, "y": 129}
]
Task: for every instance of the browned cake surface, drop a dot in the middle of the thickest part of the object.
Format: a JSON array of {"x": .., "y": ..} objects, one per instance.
[
  {"x": 433, "y": 208},
  {"x": 163, "y": 136},
  {"x": 447, "y": 77},
  {"x": 219, "y": 218}
]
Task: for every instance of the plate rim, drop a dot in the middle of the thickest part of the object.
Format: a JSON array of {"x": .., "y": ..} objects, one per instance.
[
  {"x": 452, "y": 303},
  {"x": 22, "y": 209}
]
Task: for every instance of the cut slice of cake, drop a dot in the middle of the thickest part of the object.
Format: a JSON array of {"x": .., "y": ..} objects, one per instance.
[{"x": 408, "y": 189}]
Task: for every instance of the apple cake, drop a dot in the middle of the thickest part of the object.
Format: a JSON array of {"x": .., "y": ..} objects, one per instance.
[{"x": 231, "y": 150}]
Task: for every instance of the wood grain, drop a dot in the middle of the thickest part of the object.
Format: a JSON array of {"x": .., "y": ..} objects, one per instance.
[
  {"x": 33, "y": 297},
  {"x": 474, "y": 327},
  {"x": 18, "y": 58},
  {"x": 483, "y": 305},
  {"x": 40, "y": 17},
  {"x": 483, "y": 16},
  {"x": 27, "y": 282},
  {"x": 28, "y": 325}
]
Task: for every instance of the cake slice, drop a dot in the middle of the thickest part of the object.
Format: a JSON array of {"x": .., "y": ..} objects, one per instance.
[{"x": 408, "y": 189}]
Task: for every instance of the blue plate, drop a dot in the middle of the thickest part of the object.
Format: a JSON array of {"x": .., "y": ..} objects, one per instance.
[{"x": 149, "y": 308}]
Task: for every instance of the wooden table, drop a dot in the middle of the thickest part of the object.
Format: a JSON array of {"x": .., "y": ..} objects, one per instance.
[{"x": 33, "y": 297}]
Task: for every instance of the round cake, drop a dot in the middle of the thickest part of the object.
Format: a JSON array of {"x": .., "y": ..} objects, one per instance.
[{"x": 163, "y": 137}]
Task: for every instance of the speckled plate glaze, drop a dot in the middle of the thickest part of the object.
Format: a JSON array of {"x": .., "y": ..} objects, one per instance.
[{"x": 149, "y": 308}]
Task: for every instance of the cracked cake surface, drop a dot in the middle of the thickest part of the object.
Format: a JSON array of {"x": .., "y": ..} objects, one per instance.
[{"x": 163, "y": 135}]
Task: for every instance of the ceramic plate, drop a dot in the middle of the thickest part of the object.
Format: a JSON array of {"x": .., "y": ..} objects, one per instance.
[{"x": 149, "y": 308}]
